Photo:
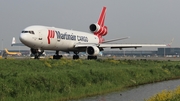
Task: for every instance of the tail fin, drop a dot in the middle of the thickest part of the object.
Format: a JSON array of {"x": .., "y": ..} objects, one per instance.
[
  {"x": 102, "y": 17},
  {"x": 169, "y": 44},
  {"x": 13, "y": 41},
  {"x": 99, "y": 29},
  {"x": 6, "y": 50}
]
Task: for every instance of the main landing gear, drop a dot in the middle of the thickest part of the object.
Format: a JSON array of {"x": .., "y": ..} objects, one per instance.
[
  {"x": 76, "y": 56},
  {"x": 57, "y": 56},
  {"x": 91, "y": 57}
]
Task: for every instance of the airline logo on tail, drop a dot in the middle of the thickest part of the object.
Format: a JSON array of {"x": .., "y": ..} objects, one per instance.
[
  {"x": 98, "y": 28},
  {"x": 51, "y": 34}
]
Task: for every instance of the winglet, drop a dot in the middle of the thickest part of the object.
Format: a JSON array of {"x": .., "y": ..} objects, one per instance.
[{"x": 169, "y": 44}]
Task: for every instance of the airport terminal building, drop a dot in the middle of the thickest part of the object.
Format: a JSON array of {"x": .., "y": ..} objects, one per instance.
[{"x": 160, "y": 52}]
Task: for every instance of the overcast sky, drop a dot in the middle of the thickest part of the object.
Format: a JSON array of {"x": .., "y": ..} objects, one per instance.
[{"x": 145, "y": 21}]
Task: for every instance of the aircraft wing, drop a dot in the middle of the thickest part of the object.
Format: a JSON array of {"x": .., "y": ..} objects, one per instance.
[
  {"x": 120, "y": 46},
  {"x": 16, "y": 44},
  {"x": 107, "y": 41},
  {"x": 113, "y": 45},
  {"x": 130, "y": 45}
]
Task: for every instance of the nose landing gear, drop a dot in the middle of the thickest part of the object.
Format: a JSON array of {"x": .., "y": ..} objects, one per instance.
[
  {"x": 37, "y": 53},
  {"x": 57, "y": 56}
]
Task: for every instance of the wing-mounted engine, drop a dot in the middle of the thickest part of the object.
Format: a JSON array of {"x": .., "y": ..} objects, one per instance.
[
  {"x": 92, "y": 50},
  {"x": 98, "y": 30}
]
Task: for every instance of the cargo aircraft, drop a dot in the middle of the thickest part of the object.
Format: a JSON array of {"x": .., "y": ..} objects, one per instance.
[
  {"x": 12, "y": 53},
  {"x": 39, "y": 38}
]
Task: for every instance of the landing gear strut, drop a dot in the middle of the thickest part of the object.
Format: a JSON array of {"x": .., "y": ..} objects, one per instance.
[
  {"x": 57, "y": 56},
  {"x": 76, "y": 56},
  {"x": 37, "y": 53}
]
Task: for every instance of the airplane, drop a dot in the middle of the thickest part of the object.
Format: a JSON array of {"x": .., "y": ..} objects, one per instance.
[
  {"x": 12, "y": 53},
  {"x": 39, "y": 38}
]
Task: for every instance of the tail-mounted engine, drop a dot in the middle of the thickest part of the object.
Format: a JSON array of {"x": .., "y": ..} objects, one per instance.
[
  {"x": 98, "y": 30},
  {"x": 92, "y": 50}
]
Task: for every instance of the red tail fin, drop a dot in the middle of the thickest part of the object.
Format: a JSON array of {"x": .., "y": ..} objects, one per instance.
[
  {"x": 98, "y": 28},
  {"x": 102, "y": 17}
]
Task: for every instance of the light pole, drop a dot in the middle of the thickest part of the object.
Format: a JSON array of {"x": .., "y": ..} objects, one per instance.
[
  {"x": 164, "y": 50},
  {"x": 2, "y": 47},
  {"x": 124, "y": 53}
]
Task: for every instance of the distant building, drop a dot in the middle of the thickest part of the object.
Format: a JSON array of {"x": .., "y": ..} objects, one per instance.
[
  {"x": 168, "y": 51},
  {"x": 161, "y": 52}
]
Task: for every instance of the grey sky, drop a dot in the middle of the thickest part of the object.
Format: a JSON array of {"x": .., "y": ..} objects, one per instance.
[{"x": 145, "y": 21}]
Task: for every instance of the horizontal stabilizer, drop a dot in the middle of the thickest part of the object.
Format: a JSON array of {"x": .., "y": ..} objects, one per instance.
[{"x": 115, "y": 39}]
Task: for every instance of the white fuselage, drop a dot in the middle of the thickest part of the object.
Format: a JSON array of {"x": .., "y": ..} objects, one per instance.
[{"x": 51, "y": 38}]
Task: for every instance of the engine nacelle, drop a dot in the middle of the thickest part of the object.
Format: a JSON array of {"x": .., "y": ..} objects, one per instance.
[
  {"x": 94, "y": 27},
  {"x": 98, "y": 30},
  {"x": 92, "y": 50}
]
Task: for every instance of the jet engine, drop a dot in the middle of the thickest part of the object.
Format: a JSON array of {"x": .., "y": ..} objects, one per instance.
[
  {"x": 92, "y": 50},
  {"x": 98, "y": 30}
]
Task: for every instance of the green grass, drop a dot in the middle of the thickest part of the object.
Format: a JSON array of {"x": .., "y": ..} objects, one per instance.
[
  {"x": 165, "y": 95},
  {"x": 60, "y": 80}
]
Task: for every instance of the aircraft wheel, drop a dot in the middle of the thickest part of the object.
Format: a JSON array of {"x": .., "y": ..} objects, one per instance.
[
  {"x": 92, "y": 57},
  {"x": 54, "y": 57},
  {"x": 75, "y": 56},
  {"x": 57, "y": 56},
  {"x": 36, "y": 57},
  {"x": 95, "y": 57}
]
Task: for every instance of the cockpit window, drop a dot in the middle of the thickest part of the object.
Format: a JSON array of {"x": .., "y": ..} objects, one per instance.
[
  {"x": 31, "y": 32},
  {"x": 24, "y": 32}
]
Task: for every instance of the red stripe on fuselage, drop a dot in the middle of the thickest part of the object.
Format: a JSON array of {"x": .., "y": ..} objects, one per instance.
[{"x": 51, "y": 34}]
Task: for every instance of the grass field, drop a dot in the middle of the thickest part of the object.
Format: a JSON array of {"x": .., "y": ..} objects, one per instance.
[
  {"x": 165, "y": 95},
  {"x": 65, "y": 79}
]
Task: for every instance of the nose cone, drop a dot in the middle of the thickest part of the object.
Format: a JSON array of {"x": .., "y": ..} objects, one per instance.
[{"x": 23, "y": 38}]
